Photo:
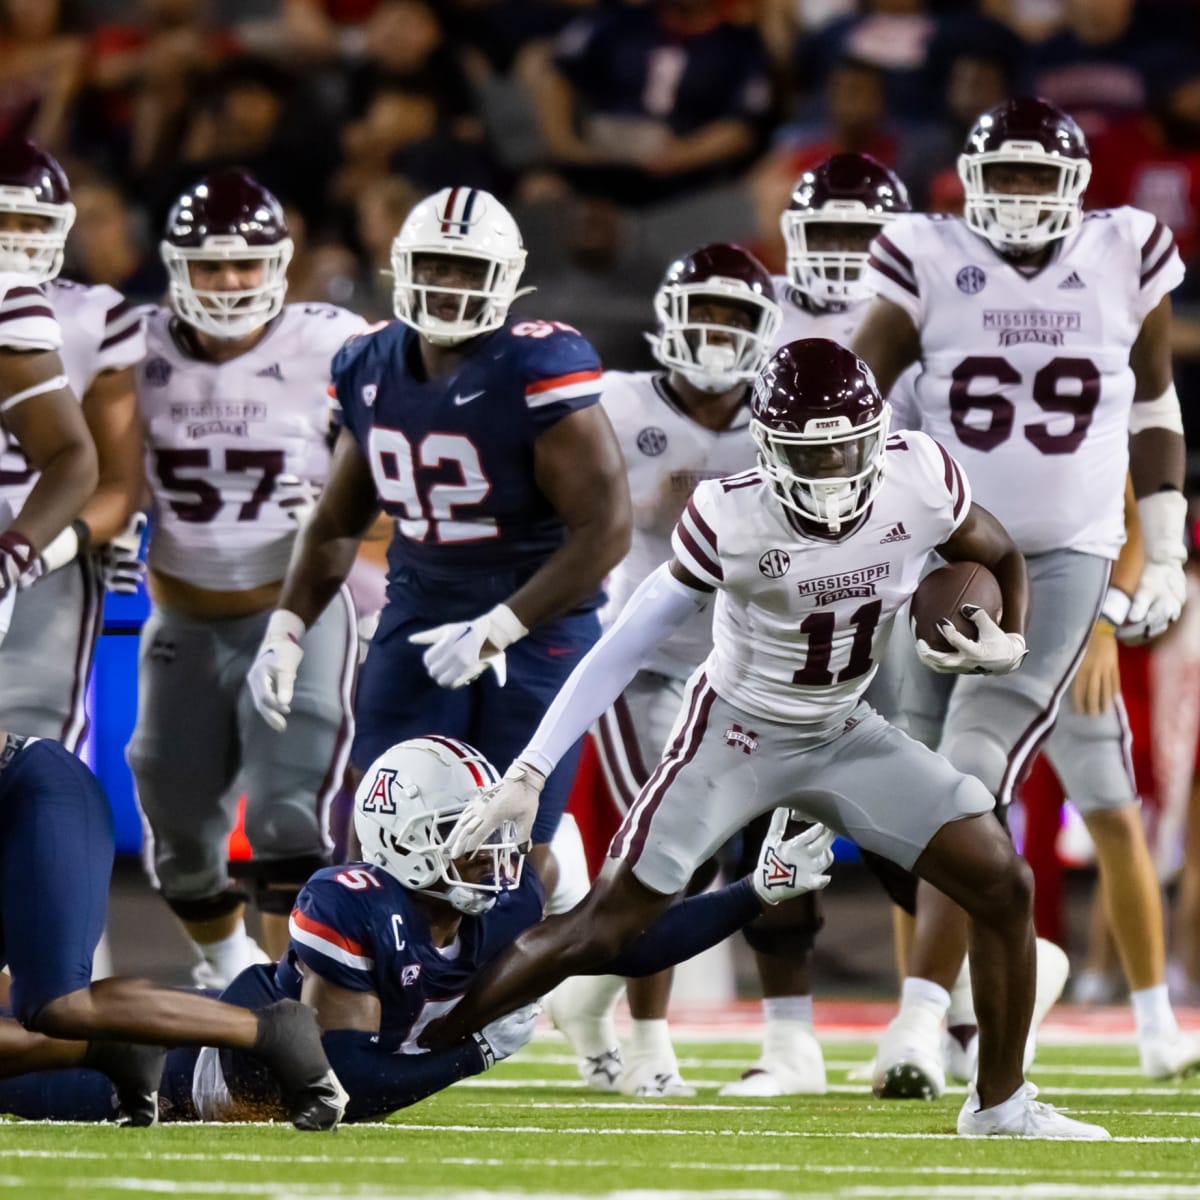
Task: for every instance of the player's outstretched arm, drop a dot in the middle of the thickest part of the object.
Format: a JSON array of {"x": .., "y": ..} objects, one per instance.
[
  {"x": 579, "y": 469},
  {"x": 1157, "y": 458},
  {"x": 42, "y": 413},
  {"x": 661, "y": 603},
  {"x": 887, "y": 341}
]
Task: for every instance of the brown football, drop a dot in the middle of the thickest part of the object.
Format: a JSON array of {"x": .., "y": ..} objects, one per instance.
[{"x": 940, "y": 596}]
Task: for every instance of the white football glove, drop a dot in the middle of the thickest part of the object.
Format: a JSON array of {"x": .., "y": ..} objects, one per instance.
[
  {"x": 993, "y": 653},
  {"x": 272, "y": 678},
  {"x": 789, "y": 867},
  {"x": 514, "y": 798},
  {"x": 297, "y": 497},
  {"x": 121, "y": 565},
  {"x": 1162, "y": 589},
  {"x": 504, "y": 1036},
  {"x": 462, "y": 650}
]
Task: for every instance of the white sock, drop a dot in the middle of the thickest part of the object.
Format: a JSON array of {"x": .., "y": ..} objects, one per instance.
[
  {"x": 962, "y": 1003},
  {"x": 923, "y": 995},
  {"x": 1152, "y": 1012},
  {"x": 230, "y": 955},
  {"x": 651, "y": 1039},
  {"x": 788, "y": 1008},
  {"x": 573, "y": 882},
  {"x": 582, "y": 1011}
]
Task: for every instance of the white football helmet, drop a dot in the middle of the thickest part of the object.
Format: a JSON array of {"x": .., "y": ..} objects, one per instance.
[
  {"x": 405, "y": 807},
  {"x": 32, "y": 183},
  {"x": 1026, "y": 131},
  {"x": 464, "y": 223}
]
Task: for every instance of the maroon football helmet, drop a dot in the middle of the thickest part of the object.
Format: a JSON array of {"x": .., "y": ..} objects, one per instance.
[
  {"x": 227, "y": 216},
  {"x": 33, "y": 184},
  {"x": 820, "y": 425},
  {"x": 715, "y": 355},
  {"x": 1024, "y": 133},
  {"x": 853, "y": 191}
]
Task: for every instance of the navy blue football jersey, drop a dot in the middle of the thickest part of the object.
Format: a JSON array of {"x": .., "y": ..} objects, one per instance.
[
  {"x": 359, "y": 928},
  {"x": 452, "y": 459}
]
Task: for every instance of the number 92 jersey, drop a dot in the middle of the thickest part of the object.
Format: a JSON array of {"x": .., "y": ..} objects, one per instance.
[
  {"x": 1026, "y": 379},
  {"x": 452, "y": 458},
  {"x": 218, "y": 435},
  {"x": 798, "y": 619}
]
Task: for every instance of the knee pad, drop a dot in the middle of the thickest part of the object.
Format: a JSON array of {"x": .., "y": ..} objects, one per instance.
[
  {"x": 787, "y": 930},
  {"x": 207, "y": 908},
  {"x": 979, "y": 752},
  {"x": 899, "y": 884},
  {"x": 277, "y": 882}
]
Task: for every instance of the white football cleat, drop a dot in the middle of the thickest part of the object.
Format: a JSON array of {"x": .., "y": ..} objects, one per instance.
[
  {"x": 960, "y": 1052},
  {"x": 592, "y": 1034},
  {"x": 1021, "y": 1115},
  {"x": 654, "y": 1078},
  {"x": 908, "y": 1063},
  {"x": 1169, "y": 1057},
  {"x": 791, "y": 1064}
]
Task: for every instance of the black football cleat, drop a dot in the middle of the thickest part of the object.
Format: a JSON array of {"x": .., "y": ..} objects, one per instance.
[
  {"x": 289, "y": 1045},
  {"x": 136, "y": 1072}
]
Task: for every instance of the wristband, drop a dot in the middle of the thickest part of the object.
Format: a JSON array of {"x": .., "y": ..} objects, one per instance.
[
  {"x": 1115, "y": 607},
  {"x": 285, "y": 626},
  {"x": 504, "y": 627}
]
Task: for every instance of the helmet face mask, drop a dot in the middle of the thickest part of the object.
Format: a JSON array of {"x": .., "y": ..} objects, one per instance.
[
  {"x": 717, "y": 318},
  {"x": 467, "y": 229},
  {"x": 821, "y": 429},
  {"x": 835, "y": 211},
  {"x": 1024, "y": 171},
  {"x": 227, "y": 218},
  {"x": 405, "y": 808},
  {"x": 33, "y": 186}
]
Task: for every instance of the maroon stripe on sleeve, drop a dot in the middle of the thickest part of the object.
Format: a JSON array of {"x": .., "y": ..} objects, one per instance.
[
  {"x": 892, "y": 274},
  {"x": 1148, "y": 245},
  {"x": 117, "y": 338},
  {"x": 702, "y": 557},
  {"x": 1158, "y": 266},
  {"x": 896, "y": 253},
  {"x": 702, "y": 524},
  {"x": 18, "y": 314}
]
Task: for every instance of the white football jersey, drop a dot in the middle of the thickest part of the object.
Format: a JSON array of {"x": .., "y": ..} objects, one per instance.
[
  {"x": 800, "y": 321},
  {"x": 1026, "y": 379},
  {"x": 799, "y": 619},
  {"x": 667, "y": 454},
  {"x": 218, "y": 435},
  {"x": 100, "y": 331}
]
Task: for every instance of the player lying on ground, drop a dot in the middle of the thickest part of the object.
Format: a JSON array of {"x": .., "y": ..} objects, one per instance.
[
  {"x": 803, "y": 555},
  {"x": 381, "y": 948},
  {"x": 56, "y": 854}
]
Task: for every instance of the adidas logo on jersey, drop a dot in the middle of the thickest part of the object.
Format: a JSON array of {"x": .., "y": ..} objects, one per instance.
[
  {"x": 271, "y": 372},
  {"x": 897, "y": 533},
  {"x": 1072, "y": 282}
]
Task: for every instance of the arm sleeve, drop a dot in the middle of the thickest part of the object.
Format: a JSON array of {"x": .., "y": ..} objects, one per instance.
[
  {"x": 124, "y": 341},
  {"x": 328, "y": 937},
  {"x": 891, "y": 269},
  {"x": 660, "y": 604},
  {"x": 686, "y": 929},
  {"x": 380, "y": 1082}
]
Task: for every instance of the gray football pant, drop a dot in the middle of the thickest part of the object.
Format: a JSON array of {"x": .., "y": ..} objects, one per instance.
[
  {"x": 862, "y": 778},
  {"x": 47, "y": 654},
  {"x": 991, "y": 726},
  {"x": 1092, "y": 757},
  {"x": 199, "y": 741}
]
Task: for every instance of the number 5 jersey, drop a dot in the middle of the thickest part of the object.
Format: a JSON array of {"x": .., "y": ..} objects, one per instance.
[{"x": 1025, "y": 376}]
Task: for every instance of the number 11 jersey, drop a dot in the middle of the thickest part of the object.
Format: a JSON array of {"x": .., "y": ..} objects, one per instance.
[{"x": 1025, "y": 377}]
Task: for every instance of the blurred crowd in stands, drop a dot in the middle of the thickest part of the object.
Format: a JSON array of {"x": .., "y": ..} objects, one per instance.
[{"x": 621, "y": 132}]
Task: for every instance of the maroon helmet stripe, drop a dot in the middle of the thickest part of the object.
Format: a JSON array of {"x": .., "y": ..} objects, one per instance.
[
  {"x": 901, "y": 258},
  {"x": 892, "y": 274}
]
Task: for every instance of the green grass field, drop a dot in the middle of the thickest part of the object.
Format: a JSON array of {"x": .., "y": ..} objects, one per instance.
[{"x": 529, "y": 1129}]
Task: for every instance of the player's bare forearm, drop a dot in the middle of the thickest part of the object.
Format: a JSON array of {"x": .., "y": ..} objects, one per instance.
[
  {"x": 887, "y": 341},
  {"x": 110, "y": 410},
  {"x": 327, "y": 545},
  {"x": 1157, "y": 453},
  {"x": 580, "y": 471},
  {"x": 1157, "y": 460},
  {"x": 982, "y": 539},
  {"x": 1127, "y": 570}
]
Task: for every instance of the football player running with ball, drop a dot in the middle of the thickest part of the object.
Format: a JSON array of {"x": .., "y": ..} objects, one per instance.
[
  {"x": 1042, "y": 335},
  {"x": 808, "y": 577}
]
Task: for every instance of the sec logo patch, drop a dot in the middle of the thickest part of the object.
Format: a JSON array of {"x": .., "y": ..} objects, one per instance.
[
  {"x": 775, "y": 563},
  {"x": 652, "y": 441},
  {"x": 971, "y": 280}
]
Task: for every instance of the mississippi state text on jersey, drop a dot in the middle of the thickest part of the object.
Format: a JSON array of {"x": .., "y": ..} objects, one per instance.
[
  {"x": 452, "y": 459},
  {"x": 1026, "y": 378},
  {"x": 101, "y": 331},
  {"x": 218, "y": 435},
  {"x": 667, "y": 453},
  {"x": 797, "y": 617}
]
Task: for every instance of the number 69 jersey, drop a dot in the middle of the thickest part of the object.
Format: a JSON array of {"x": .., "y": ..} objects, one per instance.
[
  {"x": 218, "y": 436},
  {"x": 1026, "y": 379},
  {"x": 799, "y": 619}
]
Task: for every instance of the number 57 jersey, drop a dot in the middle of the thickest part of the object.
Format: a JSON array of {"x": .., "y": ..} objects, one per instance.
[
  {"x": 219, "y": 435},
  {"x": 1026, "y": 378},
  {"x": 800, "y": 620}
]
